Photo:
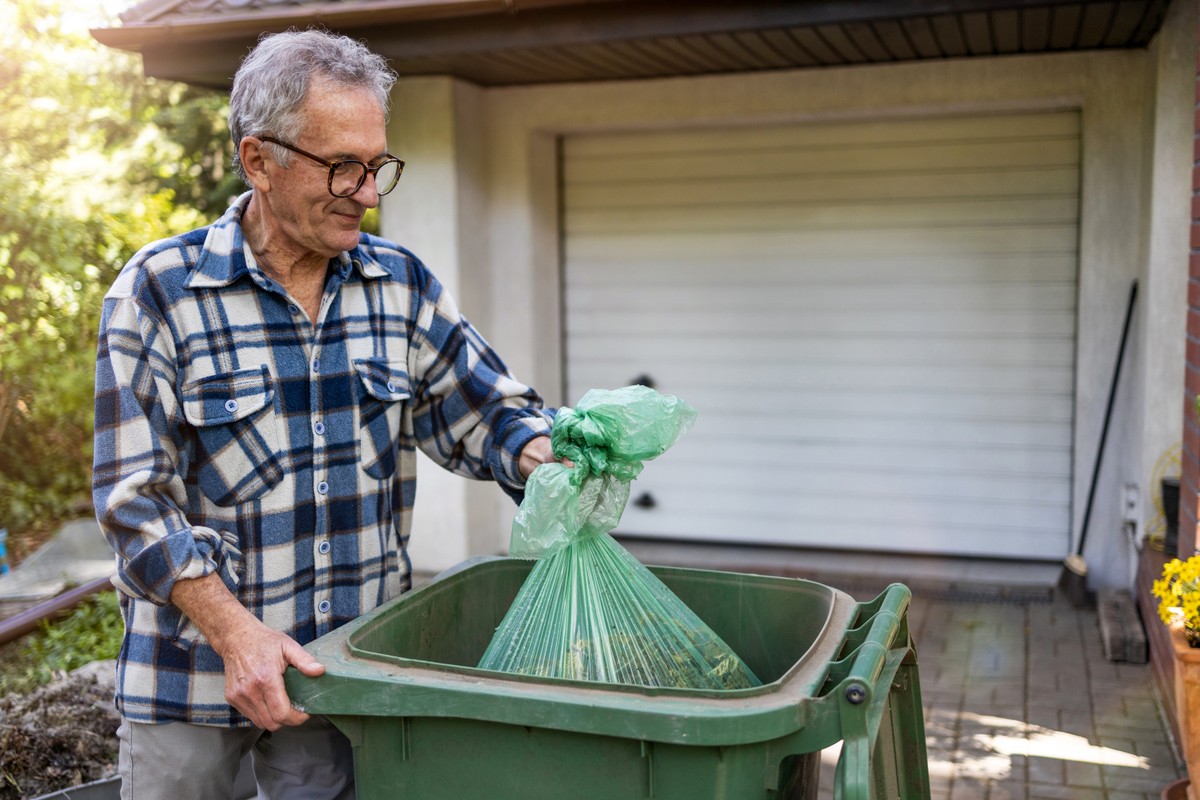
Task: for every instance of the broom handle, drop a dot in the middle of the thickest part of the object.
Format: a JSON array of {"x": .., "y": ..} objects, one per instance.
[{"x": 1112, "y": 394}]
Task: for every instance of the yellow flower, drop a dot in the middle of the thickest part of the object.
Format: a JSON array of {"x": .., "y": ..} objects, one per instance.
[{"x": 1178, "y": 592}]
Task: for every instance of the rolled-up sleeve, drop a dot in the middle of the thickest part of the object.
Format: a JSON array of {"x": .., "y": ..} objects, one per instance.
[
  {"x": 470, "y": 414},
  {"x": 137, "y": 487}
]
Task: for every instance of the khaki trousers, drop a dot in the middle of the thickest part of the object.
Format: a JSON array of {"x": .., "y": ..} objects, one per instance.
[{"x": 181, "y": 761}]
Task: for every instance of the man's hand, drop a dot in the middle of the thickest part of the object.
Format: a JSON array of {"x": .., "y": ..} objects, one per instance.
[
  {"x": 255, "y": 656},
  {"x": 254, "y": 664},
  {"x": 535, "y": 453}
]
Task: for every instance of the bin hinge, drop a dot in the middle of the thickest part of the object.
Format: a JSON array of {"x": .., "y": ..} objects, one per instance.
[
  {"x": 648, "y": 754},
  {"x": 405, "y": 740}
]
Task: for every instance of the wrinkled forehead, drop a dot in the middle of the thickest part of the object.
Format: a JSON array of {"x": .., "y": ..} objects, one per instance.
[
  {"x": 349, "y": 119},
  {"x": 325, "y": 91}
]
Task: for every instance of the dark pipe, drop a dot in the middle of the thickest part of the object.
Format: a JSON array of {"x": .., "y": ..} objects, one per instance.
[{"x": 27, "y": 621}]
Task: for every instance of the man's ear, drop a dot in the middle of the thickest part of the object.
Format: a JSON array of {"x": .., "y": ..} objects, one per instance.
[{"x": 254, "y": 162}]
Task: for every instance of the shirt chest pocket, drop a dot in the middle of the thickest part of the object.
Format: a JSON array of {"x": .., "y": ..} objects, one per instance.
[
  {"x": 383, "y": 388},
  {"x": 239, "y": 457}
]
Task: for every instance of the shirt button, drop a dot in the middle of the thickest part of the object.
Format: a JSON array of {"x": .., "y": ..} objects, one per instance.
[
  {"x": 231, "y": 406},
  {"x": 391, "y": 386},
  {"x": 295, "y": 309},
  {"x": 323, "y": 548},
  {"x": 319, "y": 428},
  {"x": 322, "y": 487},
  {"x": 316, "y": 365},
  {"x": 323, "y": 606}
]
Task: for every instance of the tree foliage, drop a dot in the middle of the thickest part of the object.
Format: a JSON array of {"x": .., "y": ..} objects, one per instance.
[{"x": 98, "y": 162}]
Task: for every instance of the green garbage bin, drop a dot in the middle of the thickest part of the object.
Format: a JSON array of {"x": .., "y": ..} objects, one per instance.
[{"x": 425, "y": 723}]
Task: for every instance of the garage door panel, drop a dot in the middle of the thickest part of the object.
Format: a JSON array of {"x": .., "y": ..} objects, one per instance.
[
  {"x": 691, "y": 351},
  {"x": 833, "y": 190},
  {"x": 821, "y": 215},
  {"x": 899, "y": 404},
  {"x": 947, "y": 391},
  {"x": 964, "y": 241},
  {"x": 858, "y": 499},
  {"x": 844, "y": 533},
  {"x": 834, "y": 160},
  {"x": 981, "y": 269},
  {"x": 1020, "y": 127},
  {"x": 875, "y": 321},
  {"x": 798, "y": 297},
  {"x": 788, "y": 427},
  {"x": 717, "y": 452},
  {"x": 864, "y": 481},
  {"x": 797, "y": 431},
  {"x": 770, "y": 322}
]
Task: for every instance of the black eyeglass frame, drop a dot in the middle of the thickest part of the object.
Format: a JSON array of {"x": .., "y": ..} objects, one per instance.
[{"x": 334, "y": 165}]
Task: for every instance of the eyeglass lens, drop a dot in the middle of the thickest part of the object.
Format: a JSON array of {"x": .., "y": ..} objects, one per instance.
[{"x": 349, "y": 176}]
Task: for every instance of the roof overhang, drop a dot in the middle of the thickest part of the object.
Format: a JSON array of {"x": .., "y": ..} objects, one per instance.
[{"x": 507, "y": 42}]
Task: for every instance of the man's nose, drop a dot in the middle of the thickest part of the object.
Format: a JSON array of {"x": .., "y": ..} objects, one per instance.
[{"x": 368, "y": 193}]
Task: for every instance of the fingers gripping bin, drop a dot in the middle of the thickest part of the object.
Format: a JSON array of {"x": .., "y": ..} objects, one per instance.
[{"x": 425, "y": 724}]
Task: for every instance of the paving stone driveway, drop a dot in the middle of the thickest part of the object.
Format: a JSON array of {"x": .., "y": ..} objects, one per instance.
[{"x": 1020, "y": 703}]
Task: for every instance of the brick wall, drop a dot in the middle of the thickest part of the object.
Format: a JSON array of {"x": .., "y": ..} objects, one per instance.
[{"x": 1189, "y": 494}]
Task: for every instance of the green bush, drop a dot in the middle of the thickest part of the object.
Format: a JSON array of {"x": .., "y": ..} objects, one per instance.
[{"x": 91, "y": 632}]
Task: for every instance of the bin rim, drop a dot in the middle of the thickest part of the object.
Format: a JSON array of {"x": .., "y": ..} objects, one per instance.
[
  {"x": 654, "y": 691},
  {"x": 354, "y": 685}
]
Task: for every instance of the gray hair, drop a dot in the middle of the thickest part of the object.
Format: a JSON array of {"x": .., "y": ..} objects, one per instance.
[{"x": 272, "y": 81}]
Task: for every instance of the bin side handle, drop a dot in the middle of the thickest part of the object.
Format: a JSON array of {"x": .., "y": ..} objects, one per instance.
[
  {"x": 860, "y": 729},
  {"x": 857, "y": 673},
  {"x": 851, "y": 705},
  {"x": 871, "y": 679},
  {"x": 894, "y": 601}
]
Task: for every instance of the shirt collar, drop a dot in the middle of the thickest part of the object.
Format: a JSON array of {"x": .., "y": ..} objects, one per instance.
[
  {"x": 222, "y": 260},
  {"x": 358, "y": 259}
]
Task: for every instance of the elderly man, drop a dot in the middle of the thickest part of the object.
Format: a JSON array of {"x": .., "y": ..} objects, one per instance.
[{"x": 262, "y": 386}]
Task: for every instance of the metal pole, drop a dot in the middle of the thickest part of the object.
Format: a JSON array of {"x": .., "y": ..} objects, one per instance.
[{"x": 27, "y": 621}]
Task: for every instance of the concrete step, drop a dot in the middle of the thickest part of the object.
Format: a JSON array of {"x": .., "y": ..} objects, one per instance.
[{"x": 76, "y": 554}]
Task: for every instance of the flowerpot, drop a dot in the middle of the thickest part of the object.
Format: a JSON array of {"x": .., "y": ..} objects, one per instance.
[
  {"x": 1187, "y": 697},
  {"x": 1176, "y": 790}
]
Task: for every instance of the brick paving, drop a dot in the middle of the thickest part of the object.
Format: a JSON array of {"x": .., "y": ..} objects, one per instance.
[{"x": 1021, "y": 704}]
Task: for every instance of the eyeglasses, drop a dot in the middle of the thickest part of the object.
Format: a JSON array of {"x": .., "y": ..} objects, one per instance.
[{"x": 347, "y": 177}]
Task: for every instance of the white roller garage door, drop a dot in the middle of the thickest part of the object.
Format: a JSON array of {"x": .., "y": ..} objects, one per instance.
[{"x": 875, "y": 320}]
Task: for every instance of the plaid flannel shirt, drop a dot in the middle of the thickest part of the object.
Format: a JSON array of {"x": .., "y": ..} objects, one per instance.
[{"x": 234, "y": 437}]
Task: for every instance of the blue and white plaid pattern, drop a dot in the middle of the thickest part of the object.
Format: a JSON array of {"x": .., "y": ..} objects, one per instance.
[{"x": 232, "y": 437}]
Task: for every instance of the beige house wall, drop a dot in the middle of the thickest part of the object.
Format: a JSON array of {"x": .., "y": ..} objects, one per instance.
[
  {"x": 479, "y": 204},
  {"x": 1159, "y": 381}
]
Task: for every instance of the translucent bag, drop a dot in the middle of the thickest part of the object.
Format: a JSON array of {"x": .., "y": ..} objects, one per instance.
[{"x": 589, "y": 610}]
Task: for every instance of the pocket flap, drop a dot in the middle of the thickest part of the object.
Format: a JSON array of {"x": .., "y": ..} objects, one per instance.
[
  {"x": 384, "y": 380},
  {"x": 225, "y": 398}
]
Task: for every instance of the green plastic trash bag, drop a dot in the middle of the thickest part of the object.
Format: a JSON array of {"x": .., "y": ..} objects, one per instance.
[{"x": 589, "y": 610}]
